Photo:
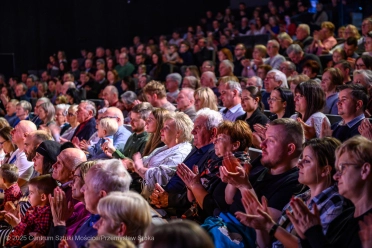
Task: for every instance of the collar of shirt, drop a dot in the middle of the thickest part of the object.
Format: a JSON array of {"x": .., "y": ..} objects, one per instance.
[
  {"x": 235, "y": 108},
  {"x": 354, "y": 121}
]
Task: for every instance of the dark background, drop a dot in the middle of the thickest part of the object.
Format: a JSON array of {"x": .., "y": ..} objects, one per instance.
[{"x": 34, "y": 29}]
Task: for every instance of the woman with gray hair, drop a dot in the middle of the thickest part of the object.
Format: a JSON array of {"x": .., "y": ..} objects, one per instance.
[
  {"x": 61, "y": 117},
  {"x": 161, "y": 164},
  {"x": 46, "y": 115}
]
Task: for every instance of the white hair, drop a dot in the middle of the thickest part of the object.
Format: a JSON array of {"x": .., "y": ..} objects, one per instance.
[
  {"x": 214, "y": 118},
  {"x": 234, "y": 86},
  {"x": 228, "y": 63},
  {"x": 280, "y": 76}
]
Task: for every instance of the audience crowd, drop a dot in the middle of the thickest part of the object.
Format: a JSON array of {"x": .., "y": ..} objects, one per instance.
[{"x": 263, "y": 145}]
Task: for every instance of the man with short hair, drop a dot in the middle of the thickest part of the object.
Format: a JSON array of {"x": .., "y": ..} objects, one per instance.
[
  {"x": 20, "y": 92},
  {"x": 101, "y": 80},
  {"x": 18, "y": 157},
  {"x": 299, "y": 58},
  {"x": 231, "y": 100},
  {"x": 208, "y": 79},
  {"x": 351, "y": 105},
  {"x": 366, "y": 28},
  {"x": 275, "y": 59},
  {"x": 88, "y": 65},
  {"x": 68, "y": 77},
  {"x": 226, "y": 68},
  {"x": 201, "y": 52},
  {"x": 66, "y": 86},
  {"x": 239, "y": 53},
  {"x": 207, "y": 66},
  {"x": 345, "y": 68},
  {"x": 85, "y": 116},
  {"x": 254, "y": 81},
  {"x": 176, "y": 40},
  {"x": 111, "y": 95},
  {"x": 364, "y": 77},
  {"x": 45, "y": 77},
  {"x": 274, "y": 78},
  {"x": 11, "y": 116},
  {"x": 156, "y": 95},
  {"x": 33, "y": 140},
  {"x": 75, "y": 68},
  {"x": 172, "y": 84},
  {"x": 350, "y": 47},
  {"x": 288, "y": 68},
  {"x": 186, "y": 101},
  {"x": 23, "y": 110},
  {"x": 31, "y": 87},
  {"x": 303, "y": 35},
  {"x": 124, "y": 68}
]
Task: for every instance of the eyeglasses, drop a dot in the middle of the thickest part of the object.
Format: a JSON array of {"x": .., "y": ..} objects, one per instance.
[
  {"x": 274, "y": 100},
  {"x": 1, "y": 143},
  {"x": 341, "y": 167},
  {"x": 298, "y": 96}
]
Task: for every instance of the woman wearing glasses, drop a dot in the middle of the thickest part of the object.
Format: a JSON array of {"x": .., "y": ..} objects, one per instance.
[
  {"x": 72, "y": 120},
  {"x": 364, "y": 62},
  {"x": 6, "y": 143}
]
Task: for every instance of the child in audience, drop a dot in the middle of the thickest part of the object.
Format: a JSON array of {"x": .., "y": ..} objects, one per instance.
[
  {"x": 9, "y": 177},
  {"x": 37, "y": 218},
  {"x": 107, "y": 127}
]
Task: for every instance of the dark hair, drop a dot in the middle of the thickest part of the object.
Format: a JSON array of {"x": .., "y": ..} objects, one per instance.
[
  {"x": 45, "y": 184},
  {"x": 128, "y": 80},
  {"x": 287, "y": 96},
  {"x": 237, "y": 131},
  {"x": 324, "y": 151},
  {"x": 314, "y": 96},
  {"x": 5, "y": 134},
  {"x": 75, "y": 95},
  {"x": 313, "y": 65},
  {"x": 358, "y": 92},
  {"x": 9, "y": 172},
  {"x": 367, "y": 60},
  {"x": 336, "y": 74},
  {"x": 345, "y": 64},
  {"x": 352, "y": 41},
  {"x": 255, "y": 92}
]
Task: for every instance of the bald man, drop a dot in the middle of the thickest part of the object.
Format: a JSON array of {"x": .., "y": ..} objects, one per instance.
[
  {"x": 25, "y": 167},
  {"x": 122, "y": 135},
  {"x": 111, "y": 95}
]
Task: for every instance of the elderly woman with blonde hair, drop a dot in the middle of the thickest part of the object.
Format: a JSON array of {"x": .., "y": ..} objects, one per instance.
[
  {"x": 160, "y": 165},
  {"x": 205, "y": 98}
]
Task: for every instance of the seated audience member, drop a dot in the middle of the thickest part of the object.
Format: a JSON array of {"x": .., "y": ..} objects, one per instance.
[
  {"x": 364, "y": 62},
  {"x": 285, "y": 41},
  {"x": 66, "y": 86},
  {"x": 309, "y": 101},
  {"x": 262, "y": 71},
  {"x": 108, "y": 240},
  {"x": 316, "y": 168},
  {"x": 364, "y": 77},
  {"x": 90, "y": 86},
  {"x": 18, "y": 157},
  {"x": 337, "y": 55},
  {"x": 61, "y": 117},
  {"x": 20, "y": 92},
  {"x": 85, "y": 116},
  {"x": 276, "y": 178},
  {"x": 46, "y": 156},
  {"x": 234, "y": 139},
  {"x": 137, "y": 140},
  {"x": 331, "y": 79},
  {"x": 36, "y": 118},
  {"x": 125, "y": 214},
  {"x": 252, "y": 105},
  {"x": 71, "y": 118},
  {"x": 172, "y": 85},
  {"x": 312, "y": 69},
  {"x": 345, "y": 68},
  {"x": 38, "y": 216},
  {"x": 159, "y": 166},
  {"x": 107, "y": 127},
  {"x": 324, "y": 39},
  {"x": 177, "y": 233},
  {"x": 303, "y": 35},
  {"x": 231, "y": 99},
  {"x": 6, "y": 143},
  {"x": 295, "y": 80},
  {"x": 239, "y": 53},
  {"x": 9, "y": 176},
  {"x": 299, "y": 58},
  {"x": 252, "y": 81},
  {"x": 351, "y": 105},
  {"x": 205, "y": 98},
  {"x": 275, "y": 59},
  {"x": 208, "y": 79},
  {"x": 11, "y": 116},
  {"x": 350, "y": 47},
  {"x": 251, "y": 66},
  {"x": 124, "y": 68},
  {"x": 353, "y": 159},
  {"x": 186, "y": 101},
  {"x": 226, "y": 68},
  {"x": 111, "y": 95},
  {"x": 207, "y": 65},
  {"x": 23, "y": 110},
  {"x": 174, "y": 193},
  {"x": 288, "y": 68},
  {"x": 156, "y": 95},
  {"x": 85, "y": 145},
  {"x": 33, "y": 140},
  {"x": 128, "y": 100},
  {"x": 274, "y": 78},
  {"x": 190, "y": 82},
  {"x": 46, "y": 115}
]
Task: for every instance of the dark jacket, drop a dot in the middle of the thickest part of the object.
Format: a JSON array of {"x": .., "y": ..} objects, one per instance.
[{"x": 88, "y": 130}]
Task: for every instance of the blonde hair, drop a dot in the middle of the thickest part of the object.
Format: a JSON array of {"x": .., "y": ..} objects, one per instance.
[
  {"x": 110, "y": 125},
  {"x": 207, "y": 97},
  {"x": 109, "y": 240},
  {"x": 183, "y": 124},
  {"x": 129, "y": 208},
  {"x": 155, "y": 87},
  {"x": 262, "y": 49},
  {"x": 354, "y": 31},
  {"x": 154, "y": 138},
  {"x": 328, "y": 25},
  {"x": 226, "y": 79},
  {"x": 297, "y": 79},
  {"x": 358, "y": 147}
]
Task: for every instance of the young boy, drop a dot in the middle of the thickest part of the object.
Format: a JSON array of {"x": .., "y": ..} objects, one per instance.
[
  {"x": 107, "y": 127},
  {"x": 12, "y": 192},
  {"x": 38, "y": 217}
]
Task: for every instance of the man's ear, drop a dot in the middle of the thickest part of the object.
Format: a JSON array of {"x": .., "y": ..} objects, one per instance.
[
  {"x": 102, "y": 193},
  {"x": 122, "y": 230},
  {"x": 291, "y": 148},
  {"x": 213, "y": 132}
]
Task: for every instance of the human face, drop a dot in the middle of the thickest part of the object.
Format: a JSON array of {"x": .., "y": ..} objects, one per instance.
[
  {"x": 326, "y": 83},
  {"x": 256, "y": 54},
  {"x": 51, "y": 86},
  {"x": 273, "y": 148},
  {"x": 19, "y": 91},
  {"x": 38, "y": 163},
  {"x": 336, "y": 57},
  {"x": 76, "y": 184},
  {"x": 183, "y": 102},
  {"x": 186, "y": 83},
  {"x": 366, "y": 27},
  {"x": 171, "y": 85},
  {"x": 91, "y": 196},
  {"x": 276, "y": 103},
  {"x": 37, "y": 107},
  {"x": 202, "y": 136},
  {"x": 5, "y": 145},
  {"x": 227, "y": 95},
  {"x": 285, "y": 69},
  {"x": 82, "y": 113},
  {"x": 346, "y": 104},
  {"x": 105, "y": 225},
  {"x": 239, "y": 51},
  {"x": 359, "y": 79},
  {"x": 307, "y": 71},
  {"x": 106, "y": 95},
  {"x": 221, "y": 56},
  {"x": 309, "y": 170},
  {"x": 300, "y": 33},
  {"x": 300, "y": 103},
  {"x": 198, "y": 102},
  {"x": 137, "y": 123},
  {"x": 270, "y": 82},
  {"x": 71, "y": 116},
  {"x": 359, "y": 65},
  {"x": 60, "y": 171},
  {"x": 151, "y": 99},
  {"x": 29, "y": 147},
  {"x": 168, "y": 133},
  {"x": 223, "y": 145},
  {"x": 4, "y": 91},
  {"x": 295, "y": 58},
  {"x": 17, "y": 134},
  {"x": 261, "y": 73},
  {"x": 249, "y": 104},
  {"x": 151, "y": 124},
  {"x": 10, "y": 108},
  {"x": 60, "y": 118},
  {"x": 349, "y": 49},
  {"x": 347, "y": 175},
  {"x": 155, "y": 59},
  {"x": 224, "y": 70},
  {"x": 34, "y": 196},
  {"x": 251, "y": 82},
  {"x": 101, "y": 133},
  {"x": 29, "y": 83},
  {"x": 271, "y": 49},
  {"x": 368, "y": 44},
  {"x": 42, "y": 114}
]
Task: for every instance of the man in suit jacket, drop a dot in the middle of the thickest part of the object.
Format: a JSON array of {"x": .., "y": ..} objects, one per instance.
[{"x": 85, "y": 116}]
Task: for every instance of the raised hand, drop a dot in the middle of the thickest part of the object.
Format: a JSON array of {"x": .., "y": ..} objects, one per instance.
[
  {"x": 159, "y": 197},
  {"x": 365, "y": 233},
  {"x": 325, "y": 130},
  {"x": 309, "y": 130},
  {"x": 365, "y": 129}
]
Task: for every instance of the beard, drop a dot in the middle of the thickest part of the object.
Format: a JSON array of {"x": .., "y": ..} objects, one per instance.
[{"x": 31, "y": 155}]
